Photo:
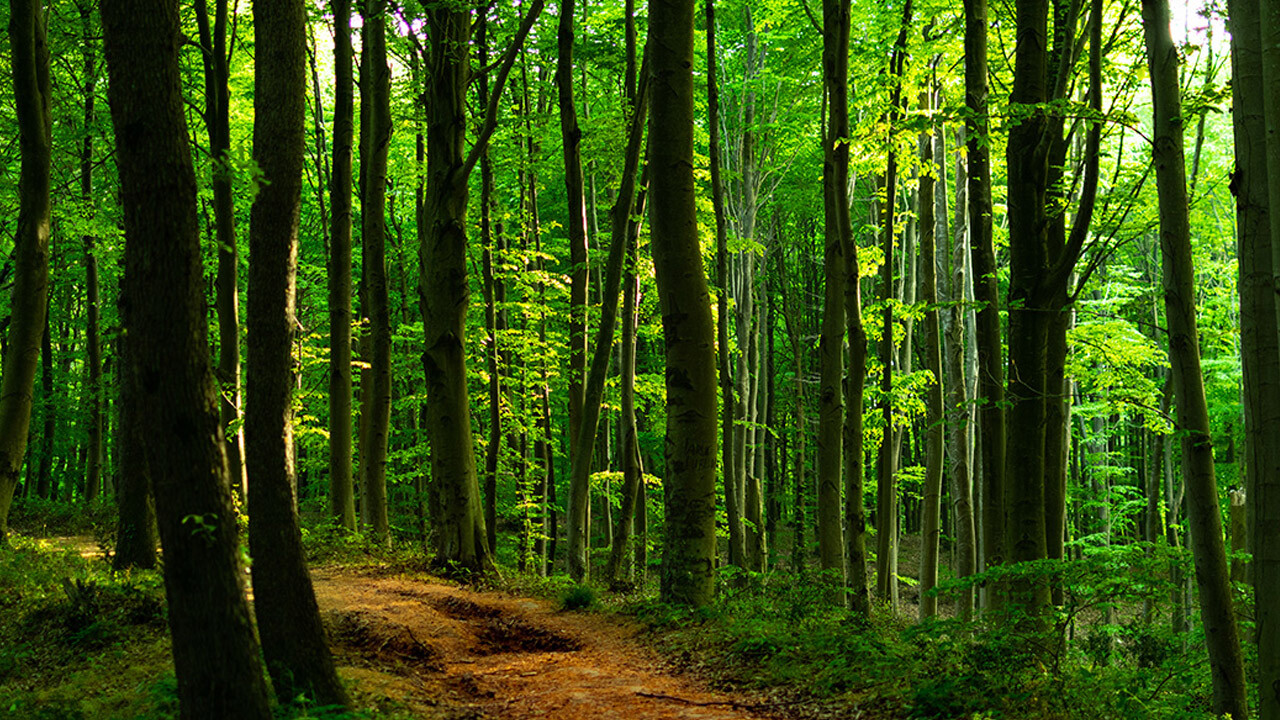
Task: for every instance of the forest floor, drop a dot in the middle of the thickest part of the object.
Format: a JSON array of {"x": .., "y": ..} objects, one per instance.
[{"x": 451, "y": 652}]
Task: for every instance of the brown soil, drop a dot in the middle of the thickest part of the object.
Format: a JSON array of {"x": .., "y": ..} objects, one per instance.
[{"x": 449, "y": 652}]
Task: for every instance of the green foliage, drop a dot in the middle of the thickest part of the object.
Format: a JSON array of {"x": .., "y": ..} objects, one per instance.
[{"x": 578, "y": 597}]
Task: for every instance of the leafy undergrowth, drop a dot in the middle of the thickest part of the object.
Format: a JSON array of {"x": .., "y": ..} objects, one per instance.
[
  {"x": 78, "y": 640},
  {"x": 779, "y": 637}
]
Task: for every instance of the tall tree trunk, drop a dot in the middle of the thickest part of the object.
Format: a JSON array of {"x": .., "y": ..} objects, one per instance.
[
  {"x": 1205, "y": 520},
  {"x": 986, "y": 288},
  {"x": 293, "y": 639},
  {"x": 375, "y": 78},
  {"x": 1028, "y": 310},
  {"x": 342, "y": 504},
  {"x": 217, "y": 100},
  {"x": 1255, "y": 62},
  {"x": 442, "y": 280},
  {"x": 960, "y": 413},
  {"x": 30, "y": 62},
  {"x": 180, "y": 437},
  {"x": 930, "y": 526},
  {"x": 690, "y": 470},
  {"x": 579, "y": 272},
  {"x": 494, "y": 292},
  {"x": 836, "y": 245},
  {"x": 728, "y": 438},
  {"x": 887, "y": 483}
]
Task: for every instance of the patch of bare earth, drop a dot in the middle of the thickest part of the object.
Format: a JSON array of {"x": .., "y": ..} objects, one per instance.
[{"x": 450, "y": 652}]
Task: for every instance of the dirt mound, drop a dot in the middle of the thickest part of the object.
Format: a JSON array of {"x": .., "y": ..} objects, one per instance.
[
  {"x": 375, "y": 637},
  {"x": 460, "y": 608},
  {"x": 508, "y": 634}
]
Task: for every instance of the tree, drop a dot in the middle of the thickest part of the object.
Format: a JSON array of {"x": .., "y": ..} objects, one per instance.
[
  {"x": 986, "y": 287},
  {"x": 831, "y": 420},
  {"x": 1255, "y": 63},
  {"x": 442, "y": 280},
  {"x": 293, "y": 640},
  {"x": 685, "y": 303},
  {"x": 180, "y": 437},
  {"x": 1205, "y": 520},
  {"x": 930, "y": 529},
  {"x": 93, "y": 384},
  {"x": 375, "y": 78},
  {"x": 30, "y": 61},
  {"x": 342, "y": 507},
  {"x": 217, "y": 119},
  {"x": 579, "y": 273}
]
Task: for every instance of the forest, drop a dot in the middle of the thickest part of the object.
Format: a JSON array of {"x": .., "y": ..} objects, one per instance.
[{"x": 736, "y": 359}]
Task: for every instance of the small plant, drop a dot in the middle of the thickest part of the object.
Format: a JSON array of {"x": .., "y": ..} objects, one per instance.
[{"x": 578, "y": 597}]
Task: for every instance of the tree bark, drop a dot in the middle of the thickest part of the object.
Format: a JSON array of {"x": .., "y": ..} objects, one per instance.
[
  {"x": 136, "y": 522},
  {"x": 579, "y": 271},
  {"x": 293, "y": 639},
  {"x": 831, "y": 417},
  {"x": 986, "y": 287},
  {"x": 375, "y": 78},
  {"x": 342, "y": 504},
  {"x": 30, "y": 64},
  {"x": 442, "y": 281},
  {"x": 930, "y": 526},
  {"x": 683, "y": 298},
  {"x": 1205, "y": 520},
  {"x": 215, "y": 656},
  {"x": 1258, "y": 209}
]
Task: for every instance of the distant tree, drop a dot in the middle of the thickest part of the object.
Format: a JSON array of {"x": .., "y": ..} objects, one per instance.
[
  {"x": 342, "y": 506},
  {"x": 375, "y": 82},
  {"x": 168, "y": 373}
]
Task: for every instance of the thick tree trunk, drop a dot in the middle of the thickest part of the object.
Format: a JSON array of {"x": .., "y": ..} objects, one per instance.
[
  {"x": 30, "y": 62},
  {"x": 342, "y": 505},
  {"x": 1257, "y": 209},
  {"x": 375, "y": 78},
  {"x": 214, "y": 653},
  {"x": 1205, "y": 520},
  {"x": 442, "y": 282},
  {"x": 684, "y": 301},
  {"x": 293, "y": 639}
]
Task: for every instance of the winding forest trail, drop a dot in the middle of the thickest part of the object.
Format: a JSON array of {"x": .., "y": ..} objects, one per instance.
[{"x": 449, "y": 652}]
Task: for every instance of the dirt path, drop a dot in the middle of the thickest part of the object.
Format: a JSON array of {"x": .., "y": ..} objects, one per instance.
[{"x": 455, "y": 653}]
